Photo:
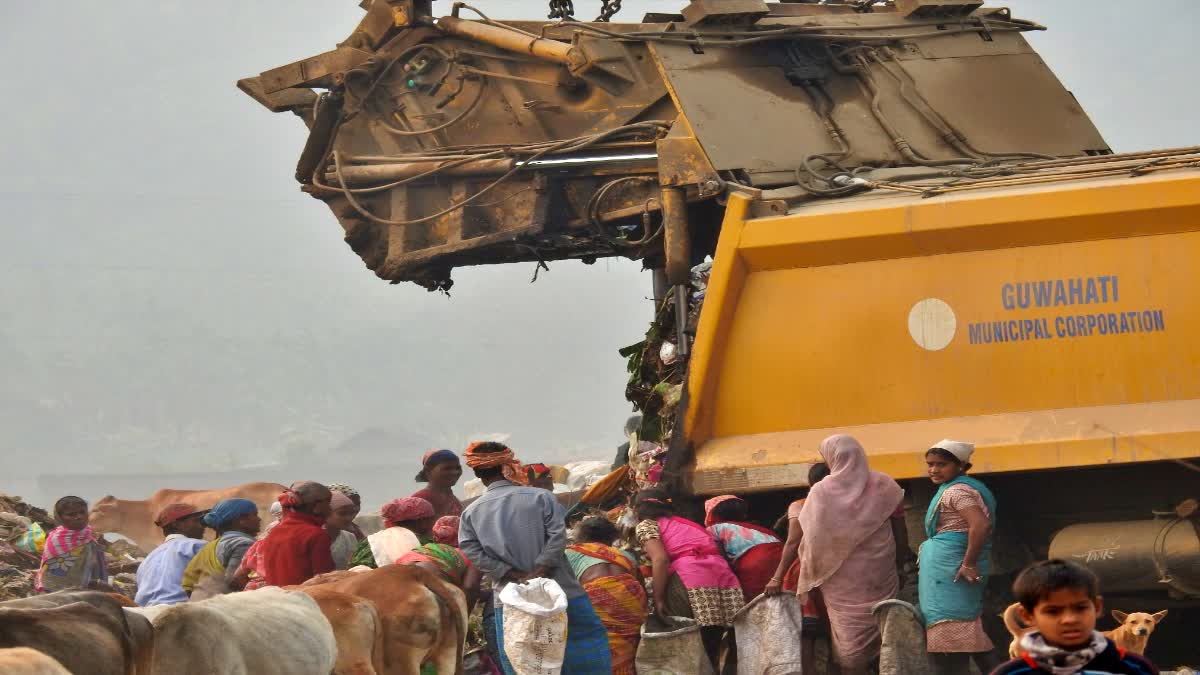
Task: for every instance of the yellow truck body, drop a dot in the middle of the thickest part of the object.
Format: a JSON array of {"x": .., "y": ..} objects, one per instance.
[{"x": 1055, "y": 325}]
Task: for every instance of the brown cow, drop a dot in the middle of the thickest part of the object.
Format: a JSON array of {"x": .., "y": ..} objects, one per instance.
[
  {"x": 134, "y": 518},
  {"x": 423, "y": 617},
  {"x": 137, "y": 633},
  {"x": 85, "y": 640},
  {"x": 26, "y": 661},
  {"x": 356, "y": 628}
]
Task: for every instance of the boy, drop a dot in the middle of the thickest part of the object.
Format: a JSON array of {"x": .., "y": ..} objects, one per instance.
[
  {"x": 1061, "y": 600},
  {"x": 160, "y": 576},
  {"x": 73, "y": 557}
]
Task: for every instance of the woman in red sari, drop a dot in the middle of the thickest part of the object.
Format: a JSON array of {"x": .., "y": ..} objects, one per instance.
[
  {"x": 752, "y": 551},
  {"x": 614, "y": 586}
]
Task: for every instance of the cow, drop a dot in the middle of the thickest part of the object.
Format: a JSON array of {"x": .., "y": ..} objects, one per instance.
[
  {"x": 26, "y": 661},
  {"x": 84, "y": 639},
  {"x": 356, "y": 628},
  {"x": 424, "y": 618},
  {"x": 270, "y": 630},
  {"x": 134, "y": 518},
  {"x": 136, "y": 633}
]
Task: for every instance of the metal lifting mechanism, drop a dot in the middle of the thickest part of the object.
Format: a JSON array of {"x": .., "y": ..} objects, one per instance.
[{"x": 444, "y": 141}]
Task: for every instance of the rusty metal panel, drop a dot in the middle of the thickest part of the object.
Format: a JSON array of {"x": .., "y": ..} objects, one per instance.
[
  {"x": 776, "y": 125},
  {"x": 716, "y": 12},
  {"x": 681, "y": 161},
  {"x": 809, "y": 9},
  {"x": 280, "y": 101},
  {"x": 929, "y": 9},
  {"x": 313, "y": 71},
  {"x": 411, "y": 101},
  {"x": 962, "y": 46},
  {"x": 999, "y": 92},
  {"x": 378, "y": 22},
  {"x": 1008, "y": 103}
]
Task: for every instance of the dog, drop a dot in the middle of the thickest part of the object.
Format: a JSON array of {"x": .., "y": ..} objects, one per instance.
[
  {"x": 1135, "y": 629},
  {"x": 1012, "y": 621}
]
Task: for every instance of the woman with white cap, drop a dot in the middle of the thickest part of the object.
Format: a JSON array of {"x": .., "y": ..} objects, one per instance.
[{"x": 954, "y": 559}]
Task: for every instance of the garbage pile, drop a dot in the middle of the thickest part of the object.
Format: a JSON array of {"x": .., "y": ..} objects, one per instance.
[
  {"x": 657, "y": 369},
  {"x": 23, "y": 530}
]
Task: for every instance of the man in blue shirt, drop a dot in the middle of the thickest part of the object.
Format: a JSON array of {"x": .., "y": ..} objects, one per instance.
[
  {"x": 515, "y": 533},
  {"x": 160, "y": 576}
]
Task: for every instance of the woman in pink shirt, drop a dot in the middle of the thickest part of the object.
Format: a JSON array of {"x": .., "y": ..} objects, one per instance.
[{"x": 691, "y": 577}]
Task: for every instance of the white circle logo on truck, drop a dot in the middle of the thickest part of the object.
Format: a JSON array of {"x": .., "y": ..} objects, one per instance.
[{"x": 931, "y": 323}]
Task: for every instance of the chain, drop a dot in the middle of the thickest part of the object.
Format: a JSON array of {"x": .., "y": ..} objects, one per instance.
[
  {"x": 562, "y": 9},
  {"x": 565, "y": 9},
  {"x": 608, "y": 9}
]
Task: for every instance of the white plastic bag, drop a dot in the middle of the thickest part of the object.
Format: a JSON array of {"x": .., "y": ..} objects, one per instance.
[
  {"x": 676, "y": 649},
  {"x": 585, "y": 473},
  {"x": 535, "y": 626}
]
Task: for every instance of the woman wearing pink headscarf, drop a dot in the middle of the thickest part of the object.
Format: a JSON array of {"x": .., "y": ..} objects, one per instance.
[
  {"x": 407, "y": 521},
  {"x": 848, "y": 550}
]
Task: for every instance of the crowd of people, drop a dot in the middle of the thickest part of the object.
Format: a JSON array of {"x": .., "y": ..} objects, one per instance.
[{"x": 844, "y": 551}]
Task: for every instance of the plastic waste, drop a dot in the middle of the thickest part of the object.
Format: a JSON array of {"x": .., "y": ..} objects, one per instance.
[
  {"x": 667, "y": 353},
  {"x": 33, "y": 541}
]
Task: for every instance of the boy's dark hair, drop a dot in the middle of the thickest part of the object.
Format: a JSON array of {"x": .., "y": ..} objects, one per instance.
[
  {"x": 817, "y": 472},
  {"x": 596, "y": 529},
  {"x": 69, "y": 500},
  {"x": 1040, "y": 579},
  {"x": 732, "y": 509}
]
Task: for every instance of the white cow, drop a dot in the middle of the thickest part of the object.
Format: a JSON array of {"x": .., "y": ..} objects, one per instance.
[{"x": 264, "y": 632}]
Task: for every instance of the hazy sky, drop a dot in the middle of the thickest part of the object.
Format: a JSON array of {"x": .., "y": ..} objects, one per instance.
[{"x": 170, "y": 300}]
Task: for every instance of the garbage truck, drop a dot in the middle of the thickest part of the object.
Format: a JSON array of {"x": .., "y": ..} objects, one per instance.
[{"x": 907, "y": 227}]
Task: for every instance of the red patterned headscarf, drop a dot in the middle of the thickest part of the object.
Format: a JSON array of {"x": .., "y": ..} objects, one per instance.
[
  {"x": 445, "y": 530},
  {"x": 405, "y": 509},
  {"x": 513, "y": 470}
]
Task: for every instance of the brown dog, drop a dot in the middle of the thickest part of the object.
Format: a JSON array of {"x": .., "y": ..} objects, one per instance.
[
  {"x": 1135, "y": 629},
  {"x": 1012, "y": 621}
]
